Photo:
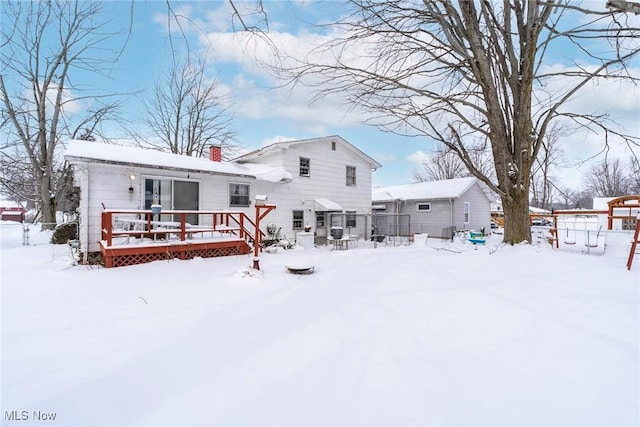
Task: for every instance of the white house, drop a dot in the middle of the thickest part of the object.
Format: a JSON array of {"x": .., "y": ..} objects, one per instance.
[
  {"x": 304, "y": 179},
  {"x": 434, "y": 207},
  {"x": 331, "y": 182}
]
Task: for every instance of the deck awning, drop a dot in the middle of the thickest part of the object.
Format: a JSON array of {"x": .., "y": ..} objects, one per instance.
[{"x": 327, "y": 205}]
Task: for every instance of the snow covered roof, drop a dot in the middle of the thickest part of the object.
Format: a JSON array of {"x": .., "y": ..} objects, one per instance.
[
  {"x": 602, "y": 203},
  {"x": 445, "y": 189},
  {"x": 283, "y": 145},
  {"x": 90, "y": 151},
  {"x": 9, "y": 204},
  {"x": 327, "y": 205},
  {"x": 535, "y": 210}
]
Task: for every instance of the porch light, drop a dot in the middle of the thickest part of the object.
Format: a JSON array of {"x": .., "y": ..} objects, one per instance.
[{"x": 131, "y": 179}]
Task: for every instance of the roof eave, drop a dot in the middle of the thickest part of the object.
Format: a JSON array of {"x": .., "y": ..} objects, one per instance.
[{"x": 77, "y": 159}]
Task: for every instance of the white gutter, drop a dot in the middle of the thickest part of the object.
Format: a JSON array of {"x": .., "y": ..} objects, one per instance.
[{"x": 451, "y": 212}]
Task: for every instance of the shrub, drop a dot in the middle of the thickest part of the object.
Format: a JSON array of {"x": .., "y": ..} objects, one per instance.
[{"x": 64, "y": 232}]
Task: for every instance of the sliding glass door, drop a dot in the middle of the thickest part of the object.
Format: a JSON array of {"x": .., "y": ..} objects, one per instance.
[
  {"x": 185, "y": 197},
  {"x": 173, "y": 195}
]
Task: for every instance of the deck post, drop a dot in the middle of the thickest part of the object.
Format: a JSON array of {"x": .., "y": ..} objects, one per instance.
[
  {"x": 257, "y": 241},
  {"x": 634, "y": 243},
  {"x": 183, "y": 221},
  {"x": 108, "y": 218}
]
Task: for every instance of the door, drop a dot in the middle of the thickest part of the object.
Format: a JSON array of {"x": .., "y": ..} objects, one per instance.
[
  {"x": 321, "y": 226},
  {"x": 173, "y": 195},
  {"x": 186, "y": 197}
]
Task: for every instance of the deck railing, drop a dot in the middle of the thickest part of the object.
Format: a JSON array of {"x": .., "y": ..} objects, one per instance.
[{"x": 144, "y": 223}]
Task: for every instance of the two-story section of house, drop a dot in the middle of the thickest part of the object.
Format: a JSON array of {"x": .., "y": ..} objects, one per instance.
[{"x": 331, "y": 185}]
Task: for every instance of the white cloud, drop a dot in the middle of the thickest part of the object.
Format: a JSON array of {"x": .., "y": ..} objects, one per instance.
[
  {"x": 70, "y": 104},
  {"x": 418, "y": 157},
  {"x": 278, "y": 138},
  {"x": 243, "y": 53}
]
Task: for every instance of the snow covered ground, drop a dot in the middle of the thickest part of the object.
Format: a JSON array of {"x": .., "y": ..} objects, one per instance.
[{"x": 434, "y": 333}]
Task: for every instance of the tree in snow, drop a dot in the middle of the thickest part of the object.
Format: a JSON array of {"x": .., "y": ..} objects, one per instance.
[
  {"x": 45, "y": 47},
  {"x": 609, "y": 178},
  {"x": 187, "y": 112},
  {"x": 466, "y": 73},
  {"x": 443, "y": 163}
]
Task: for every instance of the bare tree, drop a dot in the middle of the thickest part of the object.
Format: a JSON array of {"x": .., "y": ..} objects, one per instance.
[
  {"x": 446, "y": 164},
  {"x": 566, "y": 198},
  {"x": 634, "y": 180},
  {"x": 542, "y": 179},
  {"x": 43, "y": 44},
  {"x": 467, "y": 71},
  {"x": 608, "y": 179},
  {"x": 187, "y": 112},
  {"x": 442, "y": 164}
]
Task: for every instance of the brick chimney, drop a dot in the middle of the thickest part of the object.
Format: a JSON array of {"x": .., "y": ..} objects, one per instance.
[{"x": 215, "y": 153}]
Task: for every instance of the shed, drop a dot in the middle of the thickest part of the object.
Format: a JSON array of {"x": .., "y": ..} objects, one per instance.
[{"x": 437, "y": 207}]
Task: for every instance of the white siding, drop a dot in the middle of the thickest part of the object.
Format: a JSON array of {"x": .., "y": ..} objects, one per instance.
[
  {"x": 446, "y": 212},
  {"x": 480, "y": 210},
  {"x": 108, "y": 185},
  {"x": 327, "y": 180},
  {"x": 432, "y": 222}
]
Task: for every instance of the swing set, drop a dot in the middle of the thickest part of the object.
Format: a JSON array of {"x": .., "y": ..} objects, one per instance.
[{"x": 623, "y": 213}]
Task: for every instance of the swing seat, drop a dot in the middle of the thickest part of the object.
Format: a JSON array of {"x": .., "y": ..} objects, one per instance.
[
  {"x": 570, "y": 240},
  {"x": 588, "y": 243}
]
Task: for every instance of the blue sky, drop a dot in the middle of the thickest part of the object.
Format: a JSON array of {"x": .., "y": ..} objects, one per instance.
[{"x": 263, "y": 114}]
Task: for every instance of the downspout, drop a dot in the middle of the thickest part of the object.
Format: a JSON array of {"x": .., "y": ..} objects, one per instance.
[
  {"x": 395, "y": 226},
  {"x": 451, "y": 224},
  {"x": 397, "y": 217},
  {"x": 83, "y": 216}
]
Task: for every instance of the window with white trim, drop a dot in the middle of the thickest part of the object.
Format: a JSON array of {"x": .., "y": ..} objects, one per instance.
[
  {"x": 351, "y": 219},
  {"x": 239, "y": 195},
  {"x": 351, "y": 175},
  {"x": 298, "y": 219},
  {"x": 467, "y": 212},
  {"x": 423, "y": 207},
  {"x": 305, "y": 166}
]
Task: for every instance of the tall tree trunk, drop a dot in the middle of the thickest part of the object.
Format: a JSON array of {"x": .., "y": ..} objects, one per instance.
[
  {"x": 517, "y": 227},
  {"x": 47, "y": 203}
]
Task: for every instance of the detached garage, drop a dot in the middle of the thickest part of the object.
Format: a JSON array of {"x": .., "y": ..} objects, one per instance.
[{"x": 437, "y": 207}]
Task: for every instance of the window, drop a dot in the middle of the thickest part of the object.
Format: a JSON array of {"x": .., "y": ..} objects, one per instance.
[
  {"x": 239, "y": 195},
  {"x": 298, "y": 219},
  {"x": 351, "y": 219},
  {"x": 351, "y": 175},
  {"x": 333, "y": 145},
  {"x": 629, "y": 223},
  {"x": 305, "y": 166},
  {"x": 467, "y": 211},
  {"x": 424, "y": 207},
  {"x": 320, "y": 219}
]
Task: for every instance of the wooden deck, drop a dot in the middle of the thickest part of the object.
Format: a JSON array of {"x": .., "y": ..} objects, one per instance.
[
  {"x": 131, "y": 237},
  {"x": 118, "y": 256}
]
